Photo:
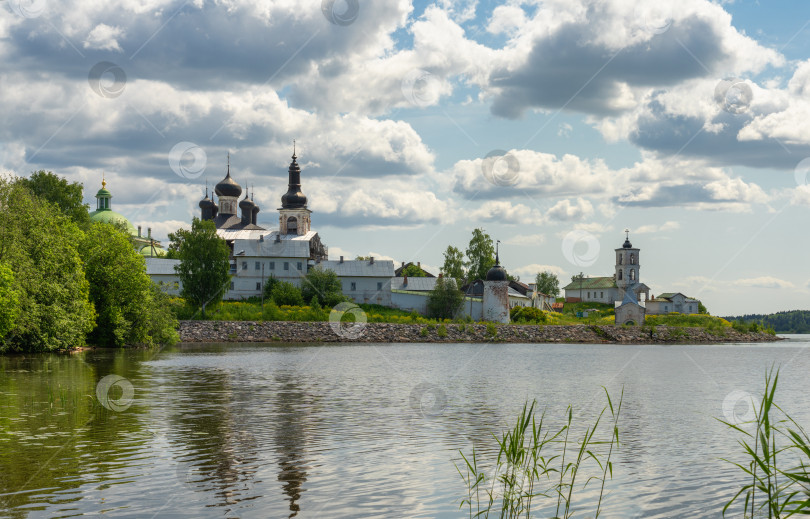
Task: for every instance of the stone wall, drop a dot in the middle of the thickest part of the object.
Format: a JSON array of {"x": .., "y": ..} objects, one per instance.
[{"x": 283, "y": 331}]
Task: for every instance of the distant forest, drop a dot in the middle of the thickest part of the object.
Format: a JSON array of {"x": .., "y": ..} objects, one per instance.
[{"x": 793, "y": 321}]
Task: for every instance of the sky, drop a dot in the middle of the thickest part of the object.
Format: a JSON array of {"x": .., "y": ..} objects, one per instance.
[{"x": 552, "y": 124}]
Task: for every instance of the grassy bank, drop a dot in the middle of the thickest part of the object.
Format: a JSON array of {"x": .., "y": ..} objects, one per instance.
[{"x": 252, "y": 310}]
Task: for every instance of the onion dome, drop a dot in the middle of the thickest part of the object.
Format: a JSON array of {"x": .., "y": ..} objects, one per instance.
[
  {"x": 246, "y": 205},
  {"x": 294, "y": 198},
  {"x": 255, "y": 210},
  {"x": 206, "y": 203},
  {"x": 627, "y": 244},
  {"x": 228, "y": 186},
  {"x": 497, "y": 272}
]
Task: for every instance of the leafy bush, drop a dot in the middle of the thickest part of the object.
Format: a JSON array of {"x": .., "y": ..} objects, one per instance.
[
  {"x": 492, "y": 330},
  {"x": 441, "y": 331},
  {"x": 527, "y": 314},
  {"x": 322, "y": 285},
  {"x": 285, "y": 293}
]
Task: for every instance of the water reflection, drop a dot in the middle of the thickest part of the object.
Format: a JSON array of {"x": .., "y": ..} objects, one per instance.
[{"x": 272, "y": 431}]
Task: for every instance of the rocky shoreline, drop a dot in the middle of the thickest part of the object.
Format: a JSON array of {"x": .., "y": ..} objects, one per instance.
[{"x": 309, "y": 332}]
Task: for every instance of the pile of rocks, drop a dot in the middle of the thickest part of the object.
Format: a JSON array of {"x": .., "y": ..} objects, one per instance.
[{"x": 303, "y": 332}]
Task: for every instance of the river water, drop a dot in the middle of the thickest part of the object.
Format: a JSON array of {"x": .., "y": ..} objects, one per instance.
[{"x": 366, "y": 430}]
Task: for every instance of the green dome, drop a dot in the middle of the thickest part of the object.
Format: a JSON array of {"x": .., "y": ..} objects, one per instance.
[
  {"x": 147, "y": 252},
  {"x": 103, "y": 192},
  {"x": 110, "y": 216}
]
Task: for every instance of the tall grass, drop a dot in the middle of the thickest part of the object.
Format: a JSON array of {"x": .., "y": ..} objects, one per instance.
[
  {"x": 533, "y": 464},
  {"x": 778, "y": 458}
]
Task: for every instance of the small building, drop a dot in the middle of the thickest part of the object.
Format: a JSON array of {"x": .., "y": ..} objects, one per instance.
[
  {"x": 163, "y": 274},
  {"x": 363, "y": 281},
  {"x": 672, "y": 302},
  {"x": 630, "y": 312},
  {"x": 411, "y": 293}
]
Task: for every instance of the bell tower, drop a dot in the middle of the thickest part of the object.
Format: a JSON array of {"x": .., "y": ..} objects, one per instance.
[
  {"x": 294, "y": 216},
  {"x": 627, "y": 266}
]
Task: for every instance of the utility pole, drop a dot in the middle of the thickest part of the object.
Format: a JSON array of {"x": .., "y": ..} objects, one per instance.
[{"x": 262, "y": 287}]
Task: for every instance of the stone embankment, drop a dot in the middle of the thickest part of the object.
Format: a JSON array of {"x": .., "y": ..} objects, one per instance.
[{"x": 285, "y": 331}]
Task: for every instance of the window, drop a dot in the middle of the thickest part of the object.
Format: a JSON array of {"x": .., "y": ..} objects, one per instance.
[
  {"x": 354, "y": 286},
  {"x": 632, "y": 259},
  {"x": 379, "y": 285},
  {"x": 292, "y": 225},
  {"x": 258, "y": 265},
  {"x": 272, "y": 265},
  {"x": 231, "y": 285},
  {"x": 620, "y": 275},
  {"x": 300, "y": 267},
  {"x": 632, "y": 274},
  {"x": 621, "y": 258},
  {"x": 244, "y": 265},
  {"x": 601, "y": 294},
  {"x": 286, "y": 265},
  {"x": 589, "y": 294},
  {"x": 258, "y": 286},
  {"x": 666, "y": 308}
]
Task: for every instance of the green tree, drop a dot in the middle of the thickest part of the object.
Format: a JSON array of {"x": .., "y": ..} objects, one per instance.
[
  {"x": 702, "y": 309},
  {"x": 285, "y": 293},
  {"x": 323, "y": 286},
  {"x": 413, "y": 271},
  {"x": 204, "y": 266},
  {"x": 445, "y": 300},
  {"x": 68, "y": 197},
  {"x": 39, "y": 244},
  {"x": 269, "y": 283},
  {"x": 547, "y": 283},
  {"x": 362, "y": 258},
  {"x": 9, "y": 301},
  {"x": 121, "y": 291},
  {"x": 453, "y": 266},
  {"x": 480, "y": 255}
]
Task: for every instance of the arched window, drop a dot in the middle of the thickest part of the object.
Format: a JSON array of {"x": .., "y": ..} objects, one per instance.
[
  {"x": 620, "y": 275},
  {"x": 632, "y": 259},
  {"x": 292, "y": 225},
  {"x": 621, "y": 258},
  {"x": 632, "y": 274}
]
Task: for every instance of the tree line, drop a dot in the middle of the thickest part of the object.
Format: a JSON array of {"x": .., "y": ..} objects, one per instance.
[
  {"x": 791, "y": 321},
  {"x": 65, "y": 281}
]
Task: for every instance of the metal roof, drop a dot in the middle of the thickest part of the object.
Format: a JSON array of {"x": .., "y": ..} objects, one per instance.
[
  {"x": 669, "y": 295},
  {"x": 289, "y": 246},
  {"x": 414, "y": 284},
  {"x": 364, "y": 268},
  {"x": 591, "y": 283},
  {"x": 161, "y": 266}
]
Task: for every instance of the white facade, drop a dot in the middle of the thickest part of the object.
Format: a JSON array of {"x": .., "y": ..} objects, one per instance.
[
  {"x": 496, "y": 301},
  {"x": 672, "y": 302},
  {"x": 363, "y": 281},
  {"x": 161, "y": 272}
]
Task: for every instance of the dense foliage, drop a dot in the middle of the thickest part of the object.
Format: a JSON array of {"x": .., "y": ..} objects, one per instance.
[
  {"x": 413, "y": 271},
  {"x": 285, "y": 293},
  {"x": 445, "y": 300},
  {"x": 63, "y": 281},
  {"x": 453, "y": 266},
  {"x": 130, "y": 310},
  {"x": 527, "y": 314},
  {"x": 204, "y": 268},
  {"x": 480, "y": 255},
  {"x": 792, "y": 321},
  {"x": 547, "y": 283},
  {"x": 323, "y": 286}
]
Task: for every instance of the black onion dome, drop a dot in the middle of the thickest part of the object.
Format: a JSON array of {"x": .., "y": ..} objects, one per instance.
[
  {"x": 497, "y": 272},
  {"x": 294, "y": 198},
  {"x": 206, "y": 202},
  {"x": 228, "y": 187},
  {"x": 247, "y": 205},
  {"x": 627, "y": 244}
]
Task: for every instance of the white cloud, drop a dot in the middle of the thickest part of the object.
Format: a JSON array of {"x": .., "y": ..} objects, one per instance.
[
  {"x": 528, "y": 272},
  {"x": 653, "y": 228},
  {"x": 763, "y": 282},
  {"x": 104, "y": 37}
]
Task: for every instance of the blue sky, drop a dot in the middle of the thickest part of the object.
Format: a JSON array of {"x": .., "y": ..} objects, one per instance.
[{"x": 554, "y": 125}]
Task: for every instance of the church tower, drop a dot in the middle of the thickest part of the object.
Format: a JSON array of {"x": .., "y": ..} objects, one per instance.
[
  {"x": 228, "y": 192},
  {"x": 294, "y": 215},
  {"x": 627, "y": 266}
]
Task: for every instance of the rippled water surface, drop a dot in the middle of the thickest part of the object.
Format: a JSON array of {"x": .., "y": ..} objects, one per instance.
[{"x": 363, "y": 430}]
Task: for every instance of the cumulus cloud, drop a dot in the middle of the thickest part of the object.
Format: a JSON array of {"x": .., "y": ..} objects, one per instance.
[
  {"x": 653, "y": 228},
  {"x": 528, "y": 272}
]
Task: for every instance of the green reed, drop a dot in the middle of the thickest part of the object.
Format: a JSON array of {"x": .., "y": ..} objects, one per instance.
[
  {"x": 531, "y": 465},
  {"x": 777, "y": 463}
]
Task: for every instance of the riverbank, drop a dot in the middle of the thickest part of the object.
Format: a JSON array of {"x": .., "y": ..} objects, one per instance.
[{"x": 307, "y": 332}]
